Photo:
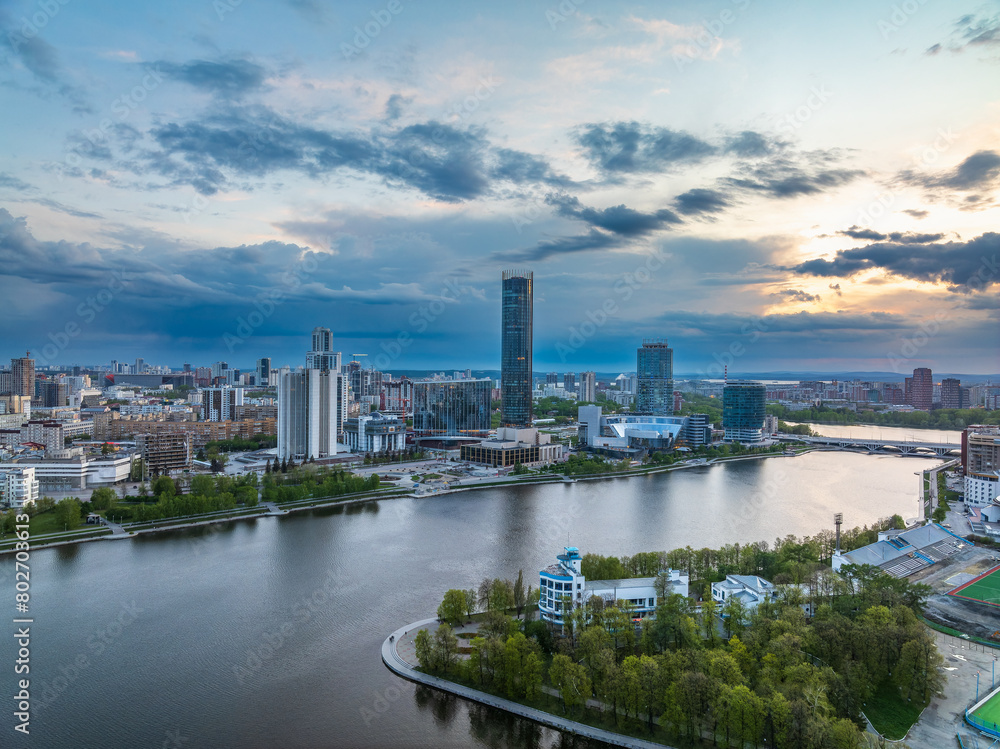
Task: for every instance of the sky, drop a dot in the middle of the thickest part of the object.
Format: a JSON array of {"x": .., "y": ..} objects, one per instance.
[{"x": 768, "y": 186}]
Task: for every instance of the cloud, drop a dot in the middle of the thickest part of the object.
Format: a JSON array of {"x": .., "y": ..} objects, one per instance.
[
  {"x": 971, "y": 264},
  {"x": 617, "y": 219},
  {"x": 784, "y": 177},
  {"x": 546, "y": 248},
  {"x": 836, "y": 287},
  {"x": 971, "y": 31},
  {"x": 227, "y": 78},
  {"x": 700, "y": 200},
  {"x": 634, "y": 148},
  {"x": 9, "y": 180},
  {"x": 916, "y": 213},
  {"x": 978, "y": 175},
  {"x": 856, "y": 232},
  {"x": 41, "y": 60},
  {"x": 795, "y": 295}
]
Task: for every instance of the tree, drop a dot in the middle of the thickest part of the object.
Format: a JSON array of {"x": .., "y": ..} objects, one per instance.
[
  {"x": 452, "y": 607},
  {"x": 470, "y": 602},
  {"x": 519, "y": 595},
  {"x": 103, "y": 498},
  {"x": 570, "y": 679},
  {"x": 422, "y": 648},
  {"x": 918, "y": 672},
  {"x": 68, "y": 512},
  {"x": 164, "y": 486},
  {"x": 445, "y": 648}
]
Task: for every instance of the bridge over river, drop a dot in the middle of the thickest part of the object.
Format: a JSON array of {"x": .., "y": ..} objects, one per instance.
[{"x": 901, "y": 447}]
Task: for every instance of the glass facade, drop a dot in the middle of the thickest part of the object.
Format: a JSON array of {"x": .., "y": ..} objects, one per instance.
[
  {"x": 655, "y": 373},
  {"x": 452, "y": 407},
  {"x": 743, "y": 411},
  {"x": 515, "y": 354}
]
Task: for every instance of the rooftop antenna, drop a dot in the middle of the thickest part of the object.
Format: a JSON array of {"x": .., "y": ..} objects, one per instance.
[{"x": 838, "y": 519}]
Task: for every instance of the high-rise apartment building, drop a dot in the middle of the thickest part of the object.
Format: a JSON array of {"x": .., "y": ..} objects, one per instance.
[
  {"x": 516, "y": 348},
  {"x": 655, "y": 372},
  {"x": 308, "y": 413},
  {"x": 953, "y": 395},
  {"x": 588, "y": 387},
  {"x": 322, "y": 339},
  {"x": 552, "y": 378},
  {"x": 219, "y": 403},
  {"x": 23, "y": 376},
  {"x": 743, "y": 411},
  {"x": 922, "y": 389},
  {"x": 569, "y": 382}
]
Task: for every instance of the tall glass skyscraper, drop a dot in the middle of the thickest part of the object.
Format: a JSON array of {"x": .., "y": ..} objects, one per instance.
[
  {"x": 743, "y": 411},
  {"x": 655, "y": 373},
  {"x": 515, "y": 354}
]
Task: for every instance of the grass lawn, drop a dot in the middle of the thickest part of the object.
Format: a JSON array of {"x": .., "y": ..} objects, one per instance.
[{"x": 891, "y": 715}]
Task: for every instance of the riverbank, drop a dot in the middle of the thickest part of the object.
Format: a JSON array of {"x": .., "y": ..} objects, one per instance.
[{"x": 402, "y": 667}]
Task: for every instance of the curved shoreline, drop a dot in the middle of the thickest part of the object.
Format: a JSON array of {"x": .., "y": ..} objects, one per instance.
[{"x": 395, "y": 663}]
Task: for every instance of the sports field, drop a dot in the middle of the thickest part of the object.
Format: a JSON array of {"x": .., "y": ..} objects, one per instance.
[
  {"x": 984, "y": 589},
  {"x": 989, "y": 714}
]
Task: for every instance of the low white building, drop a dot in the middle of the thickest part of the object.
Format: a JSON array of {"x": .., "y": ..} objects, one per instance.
[
  {"x": 749, "y": 589},
  {"x": 375, "y": 433},
  {"x": 18, "y": 487},
  {"x": 981, "y": 489},
  {"x": 80, "y": 472},
  {"x": 563, "y": 580}
]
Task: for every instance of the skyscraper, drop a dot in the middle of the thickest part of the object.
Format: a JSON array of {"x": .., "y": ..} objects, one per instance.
[
  {"x": 953, "y": 395},
  {"x": 655, "y": 371},
  {"x": 588, "y": 387},
  {"x": 515, "y": 354},
  {"x": 308, "y": 413},
  {"x": 743, "y": 411},
  {"x": 263, "y": 378},
  {"x": 322, "y": 339},
  {"x": 452, "y": 407},
  {"x": 23, "y": 376},
  {"x": 322, "y": 356},
  {"x": 569, "y": 381},
  {"x": 923, "y": 389}
]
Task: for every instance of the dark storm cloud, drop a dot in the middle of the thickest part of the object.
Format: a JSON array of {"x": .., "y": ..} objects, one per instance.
[
  {"x": 617, "y": 219},
  {"x": 795, "y": 295},
  {"x": 856, "y": 232},
  {"x": 227, "y": 78},
  {"x": 978, "y": 176},
  {"x": 634, "y": 148},
  {"x": 701, "y": 200},
  {"x": 971, "y": 264}
]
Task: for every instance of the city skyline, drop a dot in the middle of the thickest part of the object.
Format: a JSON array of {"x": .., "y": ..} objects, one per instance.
[{"x": 189, "y": 187}]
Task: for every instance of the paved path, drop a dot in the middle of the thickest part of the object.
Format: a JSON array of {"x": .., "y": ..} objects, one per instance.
[
  {"x": 273, "y": 509},
  {"x": 402, "y": 660}
]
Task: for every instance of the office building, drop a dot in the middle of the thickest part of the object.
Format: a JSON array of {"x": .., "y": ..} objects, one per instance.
[
  {"x": 516, "y": 348},
  {"x": 921, "y": 389},
  {"x": 375, "y": 433},
  {"x": 743, "y": 411},
  {"x": 23, "y": 376},
  {"x": 220, "y": 403},
  {"x": 511, "y": 446},
  {"x": 263, "y": 376},
  {"x": 452, "y": 408},
  {"x": 588, "y": 387},
  {"x": 308, "y": 413},
  {"x": 655, "y": 373}
]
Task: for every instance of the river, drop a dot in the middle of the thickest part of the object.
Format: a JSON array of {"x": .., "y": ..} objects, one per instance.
[
  {"x": 885, "y": 433},
  {"x": 266, "y": 633}
]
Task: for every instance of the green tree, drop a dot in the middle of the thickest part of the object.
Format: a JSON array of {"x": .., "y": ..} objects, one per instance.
[
  {"x": 164, "y": 486},
  {"x": 422, "y": 648},
  {"x": 103, "y": 498},
  {"x": 445, "y": 648},
  {"x": 518, "y": 594},
  {"x": 452, "y": 607},
  {"x": 570, "y": 679},
  {"x": 68, "y": 513},
  {"x": 918, "y": 672}
]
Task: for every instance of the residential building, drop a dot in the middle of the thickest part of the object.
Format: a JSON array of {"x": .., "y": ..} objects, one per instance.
[
  {"x": 50, "y": 393},
  {"x": 588, "y": 387},
  {"x": 981, "y": 463},
  {"x": 164, "y": 452},
  {"x": 397, "y": 397},
  {"x": 564, "y": 580},
  {"x": 18, "y": 487},
  {"x": 569, "y": 382},
  {"x": 655, "y": 373},
  {"x": 23, "y": 376},
  {"x": 743, "y": 411},
  {"x": 516, "y": 348},
  {"x": 309, "y": 408},
  {"x": 452, "y": 407},
  {"x": 375, "y": 433},
  {"x": 748, "y": 589},
  {"x": 220, "y": 403},
  {"x": 922, "y": 389},
  {"x": 953, "y": 395},
  {"x": 552, "y": 378}
]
